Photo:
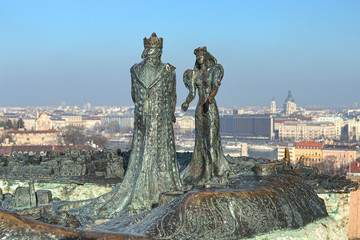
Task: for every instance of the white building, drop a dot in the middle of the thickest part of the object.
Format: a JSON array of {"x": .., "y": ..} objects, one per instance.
[
  {"x": 289, "y": 105},
  {"x": 306, "y": 131}
]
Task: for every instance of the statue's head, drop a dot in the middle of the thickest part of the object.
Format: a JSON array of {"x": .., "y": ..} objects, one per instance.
[
  {"x": 204, "y": 57},
  {"x": 153, "y": 47}
]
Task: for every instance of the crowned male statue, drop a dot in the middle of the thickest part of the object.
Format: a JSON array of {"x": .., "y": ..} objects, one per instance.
[{"x": 153, "y": 166}]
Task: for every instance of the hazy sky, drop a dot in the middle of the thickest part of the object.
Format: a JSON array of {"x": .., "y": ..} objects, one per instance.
[{"x": 81, "y": 51}]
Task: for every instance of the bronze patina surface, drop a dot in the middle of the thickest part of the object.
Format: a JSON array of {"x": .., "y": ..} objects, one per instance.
[
  {"x": 15, "y": 227},
  {"x": 208, "y": 159},
  {"x": 152, "y": 167},
  {"x": 226, "y": 198}
]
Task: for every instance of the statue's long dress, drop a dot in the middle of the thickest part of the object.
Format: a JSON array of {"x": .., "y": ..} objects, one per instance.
[
  {"x": 153, "y": 166},
  {"x": 208, "y": 159}
]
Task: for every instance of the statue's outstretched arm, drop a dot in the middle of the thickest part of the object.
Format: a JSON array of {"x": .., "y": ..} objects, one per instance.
[{"x": 190, "y": 84}]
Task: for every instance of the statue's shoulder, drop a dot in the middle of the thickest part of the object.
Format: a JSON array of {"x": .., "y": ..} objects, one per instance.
[
  {"x": 136, "y": 66},
  {"x": 169, "y": 67},
  {"x": 217, "y": 68}
]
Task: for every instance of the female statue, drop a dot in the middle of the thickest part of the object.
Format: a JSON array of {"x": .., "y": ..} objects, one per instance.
[{"x": 208, "y": 159}]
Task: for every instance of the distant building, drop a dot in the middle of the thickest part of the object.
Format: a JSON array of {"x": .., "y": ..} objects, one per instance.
[
  {"x": 247, "y": 126},
  {"x": 235, "y": 149},
  {"x": 42, "y": 137},
  {"x": 306, "y": 131},
  {"x": 281, "y": 153},
  {"x": 91, "y": 122},
  {"x": 125, "y": 121},
  {"x": 273, "y": 107},
  {"x": 354, "y": 169},
  {"x": 2, "y": 117},
  {"x": 339, "y": 155},
  {"x": 352, "y": 130},
  {"x": 73, "y": 120},
  {"x": 43, "y": 122},
  {"x": 184, "y": 124},
  {"x": 312, "y": 152},
  {"x": 289, "y": 105},
  {"x": 29, "y": 123},
  {"x": 337, "y": 121}
]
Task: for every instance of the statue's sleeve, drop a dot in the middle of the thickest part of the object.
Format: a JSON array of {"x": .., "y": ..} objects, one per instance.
[
  {"x": 132, "y": 85},
  {"x": 173, "y": 91},
  {"x": 217, "y": 75},
  {"x": 189, "y": 84}
]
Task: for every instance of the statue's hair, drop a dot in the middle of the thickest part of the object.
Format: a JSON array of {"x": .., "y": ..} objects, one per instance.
[
  {"x": 210, "y": 60},
  {"x": 188, "y": 78}
]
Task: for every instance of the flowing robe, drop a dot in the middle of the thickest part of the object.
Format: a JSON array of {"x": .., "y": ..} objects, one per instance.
[
  {"x": 153, "y": 166},
  {"x": 208, "y": 159}
]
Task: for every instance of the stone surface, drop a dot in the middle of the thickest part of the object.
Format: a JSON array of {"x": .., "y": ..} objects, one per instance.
[
  {"x": 73, "y": 164},
  {"x": 22, "y": 197},
  {"x": 323, "y": 229},
  {"x": 43, "y": 197},
  {"x": 354, "y": 219},
  {"x": 338, "y": 206}
]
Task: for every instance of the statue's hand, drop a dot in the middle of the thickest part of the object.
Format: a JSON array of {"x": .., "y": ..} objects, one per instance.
[
  {"x": 173, "y": 119},
  {"x": 184, "y": 106},
  {"x": 211, "y": 99}
]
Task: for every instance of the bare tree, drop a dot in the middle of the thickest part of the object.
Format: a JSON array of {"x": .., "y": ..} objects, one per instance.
[
  {"x": 73, "y": 135},
  {"x": 114, "y": 127},
  {"x": 99, "y": 140}
]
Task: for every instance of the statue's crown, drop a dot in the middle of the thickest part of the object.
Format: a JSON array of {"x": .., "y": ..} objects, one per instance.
[{"x": 153, "y": 42}]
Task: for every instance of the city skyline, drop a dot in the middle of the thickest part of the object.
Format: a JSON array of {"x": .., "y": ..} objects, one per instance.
[{"x": 81, "y": 52}]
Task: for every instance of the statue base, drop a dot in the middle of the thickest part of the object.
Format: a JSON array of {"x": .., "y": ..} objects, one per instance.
[{"x": 249, "y": 205}]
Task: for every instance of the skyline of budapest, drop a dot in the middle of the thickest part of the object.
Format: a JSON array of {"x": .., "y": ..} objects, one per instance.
[{"x": 82, "y": 51}]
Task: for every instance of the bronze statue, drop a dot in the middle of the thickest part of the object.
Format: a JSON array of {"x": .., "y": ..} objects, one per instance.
[
  {"x": 208, "y": 158},
  {"x": 153, "y": 166}
]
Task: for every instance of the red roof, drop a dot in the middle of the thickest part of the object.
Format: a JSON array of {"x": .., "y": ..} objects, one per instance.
[
  {"x": 305, "y": 118},
  {"x": 310, "y": 145},
  {"x": 285, "y": 120},
  {"x": 93, "y": 118},
  {"x": 32, "y": 131}
]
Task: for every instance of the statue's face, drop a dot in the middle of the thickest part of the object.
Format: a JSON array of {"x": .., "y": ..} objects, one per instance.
[
  {"x": 151, "y": 53},
  {"x": 200, "y": 59}
]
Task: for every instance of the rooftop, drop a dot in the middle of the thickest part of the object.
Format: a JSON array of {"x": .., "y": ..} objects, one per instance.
[{"x": 309, "y": 145}]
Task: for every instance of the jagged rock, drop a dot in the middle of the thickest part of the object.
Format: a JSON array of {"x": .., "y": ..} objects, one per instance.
[
  {"x": 22, "y": 197},
  {"x": 44, "y": 197},
  {"x": 69, "y": 168}
]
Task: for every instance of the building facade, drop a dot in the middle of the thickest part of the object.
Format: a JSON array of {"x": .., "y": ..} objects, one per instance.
[
  {"x": 311, "y": 151},
  {"x": 339, "y": 156},
  {"x": 247, "y": 126},
  {"x": 184, "y": 124},
  {"x": 125, "y": 121},
  {"x": 306, "y": 131},
  {"x": 281, "y": 153},
  {"x": 73, "y": 120},
  {"x": 43, "y": 122},
  {"x": 43, "y": 137},
  {"x": 353, "y": 130}
]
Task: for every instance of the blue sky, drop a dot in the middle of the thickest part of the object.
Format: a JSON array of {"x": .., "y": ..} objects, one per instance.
[{"x": 81, "y": 51}]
